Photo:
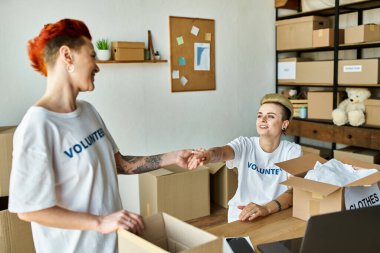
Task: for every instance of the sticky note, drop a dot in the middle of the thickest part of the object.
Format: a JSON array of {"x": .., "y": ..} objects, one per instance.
[
  {"x": 195, "y": 30},
  {"x": 175, "y": 74},
  {"x": 208, "y": 36},
  {"x": 180, "y": 40},
  {"x": 183, "y": 80},
  {"x": 181, "y": 61}
]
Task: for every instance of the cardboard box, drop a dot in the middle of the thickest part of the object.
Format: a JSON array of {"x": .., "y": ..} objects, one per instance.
[
  {"x": 372, "y": 111},
  {"x": 287, "y": 69},
  {"x": 313, "y": 198},
  {"x": 320, "y": 104},
  {"x": 325, "y": 37},
  {"x": 360, "y": 154},
  {"x": 315, "y": 72},
  {"x": 326, "y": 153},
  {"x": 297, "y": 33},
  {"x": 164, "y": 233},
  {"x": 15, "y": 234},
  {"x": 127, "y": 51},
  {"x": 6, "y": 147},
  {"x": 176, "y": 191},
  {"x": 223, "y": 183},
  {"x": 362, "y": 33},
  {"x": 359, "y": 72}
]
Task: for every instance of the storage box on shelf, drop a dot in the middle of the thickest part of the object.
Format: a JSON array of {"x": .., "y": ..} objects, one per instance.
[
  {"x": 372, "y": 111},
  {"x": 359, "y": 72},
  {"x": 362, "y": 33},
  {"x": 127, "y": 51},
  {"x": 298, "y": 32},
  {"x": 320, "y": 104},
  {"x": 325, "y": 37}
]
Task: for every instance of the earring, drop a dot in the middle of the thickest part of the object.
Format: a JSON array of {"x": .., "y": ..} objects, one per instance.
[
  {"x": 70, "y": 68},
  {"x": 283, "y": 130}
]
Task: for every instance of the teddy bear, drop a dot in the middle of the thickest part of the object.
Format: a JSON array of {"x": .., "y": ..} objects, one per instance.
[{"x": 351, "y": 110}]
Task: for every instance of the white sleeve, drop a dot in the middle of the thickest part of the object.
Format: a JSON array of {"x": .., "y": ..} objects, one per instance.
[
  {"x": 294, "y": 151},
  {"x": 32, "y": 182},
  {"x": 237, "y": 145}
]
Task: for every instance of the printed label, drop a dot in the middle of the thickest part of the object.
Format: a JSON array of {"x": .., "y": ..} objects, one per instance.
[{"x": 352, "y": 68}]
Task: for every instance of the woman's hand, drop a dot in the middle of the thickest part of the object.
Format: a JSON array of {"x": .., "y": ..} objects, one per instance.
[
  {"x": 121, "y": 219},
  {"x": 252, "y": 211}
]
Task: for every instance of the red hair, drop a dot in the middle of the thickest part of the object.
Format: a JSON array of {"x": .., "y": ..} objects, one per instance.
[{"x": 43, "y": 49}]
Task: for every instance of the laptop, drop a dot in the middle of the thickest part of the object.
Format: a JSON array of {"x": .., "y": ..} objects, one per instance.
[{"x": 347, "y": 231}]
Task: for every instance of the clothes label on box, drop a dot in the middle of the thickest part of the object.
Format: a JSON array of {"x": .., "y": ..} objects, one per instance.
[
  {"x": 286, "y": 70},
  {"x": 360, "y": 196},
  {"x": 352, "y": 68}
]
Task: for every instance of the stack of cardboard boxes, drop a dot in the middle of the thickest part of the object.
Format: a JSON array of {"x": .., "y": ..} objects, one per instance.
[{"x": 15, "y": 235}]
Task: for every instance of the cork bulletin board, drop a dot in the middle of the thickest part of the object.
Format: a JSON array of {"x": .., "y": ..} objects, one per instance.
[{"x": 192, "y": 54}]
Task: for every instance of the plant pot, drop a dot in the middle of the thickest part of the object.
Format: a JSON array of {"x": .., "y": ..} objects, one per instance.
[{"x": 103, "y": 54}]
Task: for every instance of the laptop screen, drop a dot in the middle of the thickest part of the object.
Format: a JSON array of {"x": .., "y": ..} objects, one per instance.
[{"x": 346, "y": 231}]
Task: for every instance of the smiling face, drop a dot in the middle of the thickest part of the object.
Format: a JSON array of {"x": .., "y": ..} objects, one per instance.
[
  {"x": 270, "y": 121},
  {"x": 83, "y": 76}
]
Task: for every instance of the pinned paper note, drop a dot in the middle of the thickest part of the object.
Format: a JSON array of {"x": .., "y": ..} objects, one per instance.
[
  {"x": 208, "y": 36},
  {"x": 195, "y": 30},
  {"x": 202, "y": 56},
  {"x": 180, "y": 40},
  {"x": 175, "y": 74},
  {"x": 183, "y": 80},
  {"x": 181, "y": 61}
]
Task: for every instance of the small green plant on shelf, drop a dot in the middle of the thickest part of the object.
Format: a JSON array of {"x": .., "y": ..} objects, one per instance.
[{"x": 102, "y": 44}]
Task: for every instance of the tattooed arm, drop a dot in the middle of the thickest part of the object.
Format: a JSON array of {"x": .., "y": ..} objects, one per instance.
[
  {"x": 141, "y": 164},
  {"x": 212, "y": 155}
]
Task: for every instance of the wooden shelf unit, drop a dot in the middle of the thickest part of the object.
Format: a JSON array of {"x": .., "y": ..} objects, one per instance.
[{"x": 324, "y": 130}]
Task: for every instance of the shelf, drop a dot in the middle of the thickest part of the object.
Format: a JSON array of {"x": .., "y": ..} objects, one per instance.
[
  {"x": 341, "y": 47},
  {"x": 329, "y": 122},
  {"x": 331, "y": 85},
  {"x": 144, "y": 61},
  {"x": 343, "y": 9}
]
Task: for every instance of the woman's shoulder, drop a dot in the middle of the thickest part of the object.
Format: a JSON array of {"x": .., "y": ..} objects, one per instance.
[{"x": 290, "y": 145}]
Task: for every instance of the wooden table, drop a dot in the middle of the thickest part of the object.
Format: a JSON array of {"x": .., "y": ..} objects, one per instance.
[{"x": 275, "y": 227}]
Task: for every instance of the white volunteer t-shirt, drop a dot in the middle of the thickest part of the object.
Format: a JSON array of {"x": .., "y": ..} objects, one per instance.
[
  {"x": 65, "y": 160},
  {"x": 258, "y": 177}
]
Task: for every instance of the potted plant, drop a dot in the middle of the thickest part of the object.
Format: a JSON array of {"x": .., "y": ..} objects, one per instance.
[{"x": 103, "y": 49}]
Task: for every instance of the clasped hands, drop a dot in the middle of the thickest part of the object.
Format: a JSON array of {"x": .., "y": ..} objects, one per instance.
[{"x": 191, "y": 159}]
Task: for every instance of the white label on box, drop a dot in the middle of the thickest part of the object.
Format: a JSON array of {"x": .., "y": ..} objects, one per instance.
[
  {"x": 286, "y": 70},
  {"x": 360, "y": 196},
  {"x": 352, "y": 68}
]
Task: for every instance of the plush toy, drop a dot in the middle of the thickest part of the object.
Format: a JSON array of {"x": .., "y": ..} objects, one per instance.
[{"x": 351, "y": 110}]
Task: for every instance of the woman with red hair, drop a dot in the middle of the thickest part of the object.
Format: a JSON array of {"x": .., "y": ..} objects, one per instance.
[{"x": 65, "y": 161}]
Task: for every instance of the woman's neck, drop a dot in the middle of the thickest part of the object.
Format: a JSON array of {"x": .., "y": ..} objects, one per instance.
[
  {"x": 59, "y": 96},
  {"x": 269, "y": 144}
]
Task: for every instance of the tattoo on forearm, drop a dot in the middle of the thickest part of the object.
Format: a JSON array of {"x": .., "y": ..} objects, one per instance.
[
  {"x": 132, "y": 159},
  {"x": 150, "y": 163}
]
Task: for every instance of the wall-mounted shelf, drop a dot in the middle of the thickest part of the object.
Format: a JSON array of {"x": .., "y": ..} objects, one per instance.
[{"x": 144, "y": 61}]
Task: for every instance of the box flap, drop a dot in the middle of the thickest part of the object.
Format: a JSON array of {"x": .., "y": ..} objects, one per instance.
[
  {"x": 160, "y": 172},
  {"x": 299, "y": 166},
  {"x": 188, "y": 235},
  {"x": 359, "y": 164},
  {"x": 215, "y": 167},
  {"x": 311, "y": 186},
  {"x": 127, "y": 44},
  {"x": 366, "y": 181}
]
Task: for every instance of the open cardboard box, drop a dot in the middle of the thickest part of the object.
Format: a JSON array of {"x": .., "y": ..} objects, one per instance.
[
  {"x": 164, "y": 233},
  {"x": 311, "y": 197},
  {"x": 223, "y": 183},
  {"x": 176, "y": 191}
]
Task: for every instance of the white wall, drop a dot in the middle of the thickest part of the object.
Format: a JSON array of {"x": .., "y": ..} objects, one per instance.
[{"x": 135, "y": 100}]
